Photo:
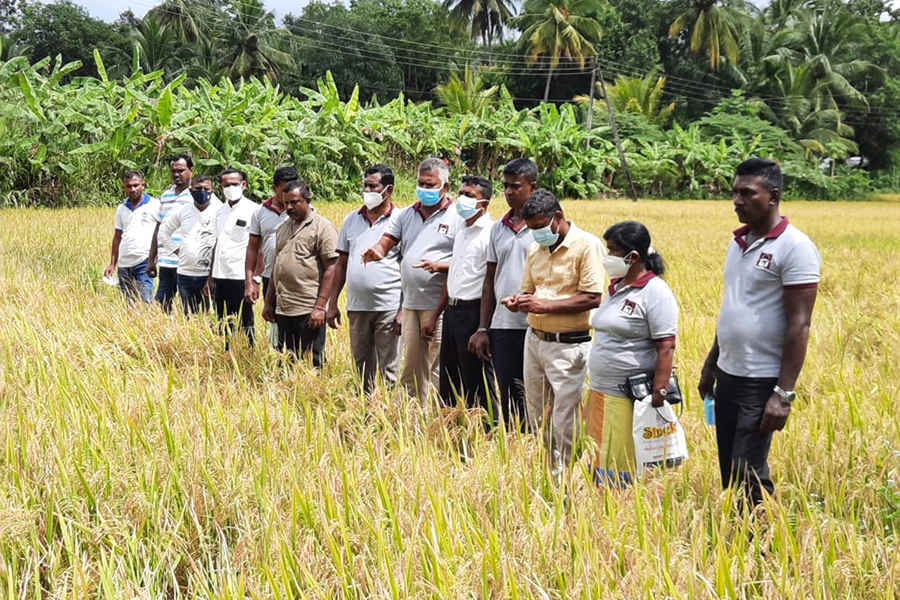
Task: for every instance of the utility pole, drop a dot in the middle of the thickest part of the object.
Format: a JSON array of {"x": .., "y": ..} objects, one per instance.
[
  {"x": 615, "y": 130},
  {"x": 590, "y": 115}
]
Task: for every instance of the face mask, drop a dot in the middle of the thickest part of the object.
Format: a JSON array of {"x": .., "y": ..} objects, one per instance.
[
  {"x": 201, "y": 196},
  {"x": 545, "y": 235},
  {"x": 372, "y": 200},
  {"x": 428, "y": 197},
  {"x": 233, "y": 193},
  {"x": 615, "y": 266},
  {"x": 467, "y": 207}
]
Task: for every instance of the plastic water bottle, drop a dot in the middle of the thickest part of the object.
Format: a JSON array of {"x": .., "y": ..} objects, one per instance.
[{"x": 709, "y": 409}]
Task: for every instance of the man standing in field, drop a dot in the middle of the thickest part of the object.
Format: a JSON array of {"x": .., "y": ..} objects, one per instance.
[
  {"x": 562, "y": 282},
  {"x": 463, "y": 374},
  {"x": 195, "y": 225},
  {"x": 772, "y": 273},
  {"x": 500, "y": 337},
  {"x": 425, "y": 233},
  {"x": 232, "y": 236},
  {"x": 305, "y": 259},
  {"x": 373, "y": 290},
  {"x": 181, "y": 169},
  {"x": 134, "y": 230}
]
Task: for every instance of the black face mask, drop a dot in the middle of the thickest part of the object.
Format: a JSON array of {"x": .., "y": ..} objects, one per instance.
[{"x": 201, "y": 196}]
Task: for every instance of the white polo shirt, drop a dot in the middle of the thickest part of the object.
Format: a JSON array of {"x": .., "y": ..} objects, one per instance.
[
  {"x": 263, "y": 224},
  {"x": 169, "y": 202},
  {"x": 508, "y": 249},
  {"x": 465, "y": 279},
  {"x": 375, "y": 285},
  {"x": 137, "y": 224},
  {"x": 232, "y": 237},
  {"x": 752, "y": 321},
  {"x": 627, "y": 325},
  {"x": 197, "y": 230}
]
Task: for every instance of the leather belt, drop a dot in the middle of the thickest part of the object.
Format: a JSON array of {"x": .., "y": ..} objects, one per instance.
[
  {"x": 463, "y": 303},
  {"x": 567, "y": 337}
]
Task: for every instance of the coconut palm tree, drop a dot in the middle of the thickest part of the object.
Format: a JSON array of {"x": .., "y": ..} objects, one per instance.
[
  {"x": 158, "y": 47},
  {"x": 252, "y": 45},
  {"x": 638, "y": 95},
  {"x": 484, "y": 18},
  {"x": 190, "y": 20},
  {"x": 557, "y": 28},
  {"x": 466, "y": 94},
  {"x": 714, "y": 29}
]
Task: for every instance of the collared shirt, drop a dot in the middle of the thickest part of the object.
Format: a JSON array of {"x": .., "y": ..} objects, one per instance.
[
  {"x": 576, "y": 265},
  {"x": 300, "y": 263},
  {"x": 232, "y": 237},
  {"x": 424, "y": 238},
  {"x": 263, "y": 224},
  {"x": 626, "y": 326},
  {"x": 465, "y": 280},
  {"x": 197, "y": 230},
  {"x": 169, "y": 202},
  {"x": 375, "y": 285},
  {"x": 137, "y": 224},
  {"x": 508, "y": 249},
  {"x": 752, "y": 321}
]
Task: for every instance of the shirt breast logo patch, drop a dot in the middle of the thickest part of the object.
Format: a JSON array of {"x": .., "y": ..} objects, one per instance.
[
  {"x": 765, "y": 261},
  {"x": 628, "y": 307},
  {"x": 443, "y": 228}
]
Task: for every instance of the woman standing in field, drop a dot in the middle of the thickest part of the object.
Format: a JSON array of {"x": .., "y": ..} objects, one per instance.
[{"x": 634, "y": 332}]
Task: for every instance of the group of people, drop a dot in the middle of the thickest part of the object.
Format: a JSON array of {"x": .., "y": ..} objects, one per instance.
[{"x": 512, "y": 315}]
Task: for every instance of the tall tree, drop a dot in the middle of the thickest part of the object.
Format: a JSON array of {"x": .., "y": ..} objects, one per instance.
[
  {"x": 714, "y": 29},
  {"x": 253, "y": 46},
  {"x": 485, "y": 18},
  {"x": 158, "y": 47},
  {"x": 191, "y": 20}
]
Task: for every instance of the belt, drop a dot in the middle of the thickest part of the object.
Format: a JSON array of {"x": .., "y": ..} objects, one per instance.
[
  {"x": 463, "y": 303},
  {"x": 568, "y": 337}
]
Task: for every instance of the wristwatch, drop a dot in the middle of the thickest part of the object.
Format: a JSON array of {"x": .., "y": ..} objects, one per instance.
[
  {"x": 787, "y": 397},
  {"x": 257, "y": 279},
  {"x": 663, "y": 392}
]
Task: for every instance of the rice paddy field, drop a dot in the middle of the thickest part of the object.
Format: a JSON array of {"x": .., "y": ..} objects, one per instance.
[{"x": 138, "y": 459}]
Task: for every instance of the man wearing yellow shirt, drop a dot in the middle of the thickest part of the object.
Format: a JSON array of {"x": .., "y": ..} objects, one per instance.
[{"x": 562, "y": 282}]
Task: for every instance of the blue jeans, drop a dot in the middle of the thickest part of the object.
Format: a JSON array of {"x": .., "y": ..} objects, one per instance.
[
  {"x": 190, "y": 288},
  {"x": 168, "y": 285},
  {"x": 134, "y": 282}
]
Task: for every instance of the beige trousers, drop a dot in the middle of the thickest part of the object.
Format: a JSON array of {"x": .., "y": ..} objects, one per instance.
[{"x": 421, "y": 365}]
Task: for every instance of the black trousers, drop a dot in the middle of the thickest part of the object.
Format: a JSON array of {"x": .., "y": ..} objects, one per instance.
[
  {"x": 743, "y": 448},
  {"x": 462, "y": 372},
  {"x": 508, "y": 356},
  {"x": 230, "y": 305},
  {"x": 168, "y": 286},
  {"x": 295, "y": 336}
]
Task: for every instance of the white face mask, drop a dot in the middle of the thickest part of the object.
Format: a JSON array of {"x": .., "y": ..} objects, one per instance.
[
  {"x": 372, "y": 200},
  {"x": 233, "y": 193},
  {"x": 616, "y": 266}
]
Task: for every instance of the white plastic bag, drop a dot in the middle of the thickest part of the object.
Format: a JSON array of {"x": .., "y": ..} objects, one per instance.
[{"x": 659, "y": 439}]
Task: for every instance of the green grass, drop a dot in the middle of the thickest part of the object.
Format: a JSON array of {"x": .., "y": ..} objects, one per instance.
[{"x": 138, "y": 459}]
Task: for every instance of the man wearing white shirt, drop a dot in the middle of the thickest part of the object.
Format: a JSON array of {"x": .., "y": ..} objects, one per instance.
[
  {"x": 462, "y": 373},
  {"x": 232, "y": 236},
  {"x": 195, "y": 224},
  {"x": 135, "y": 226}
]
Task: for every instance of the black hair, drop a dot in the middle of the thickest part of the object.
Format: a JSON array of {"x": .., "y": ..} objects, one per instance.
[
  {"x": 632, "y": 236},
  {"x": 542, "y": 203},
  {"x": 386, "y": 173},
  {"x": 285, "y": 174},
  {"x": 200, "y": 179},
  {"x": 185, "y": 157},
  {"x": 131, "y": 174},
  {"x": 232, "y": 172},
  {"x": 766, "y": 168},
  {"x": 482, "y": 183},
  {"x": 298, "y": 184},
  {"x": 522, "y": 166}
]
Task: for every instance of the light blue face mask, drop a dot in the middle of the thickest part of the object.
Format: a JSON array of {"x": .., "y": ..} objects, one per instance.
[
  {"x": 428, "y": 197},
  {"x": 545, "y": 235},
  {"x": 467, "y": 207}
]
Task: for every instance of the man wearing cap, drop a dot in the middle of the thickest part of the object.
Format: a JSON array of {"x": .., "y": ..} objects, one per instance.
[
  {"x": 373, "y": 290},
  {"x": 562, "y": 282},
  {"x": 135, "y": 225}
]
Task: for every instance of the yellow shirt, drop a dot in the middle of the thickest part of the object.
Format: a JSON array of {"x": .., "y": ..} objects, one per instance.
[{"x": 576, "y": 265}]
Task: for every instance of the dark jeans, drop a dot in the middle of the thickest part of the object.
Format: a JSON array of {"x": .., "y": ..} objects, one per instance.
[
  {"x": 508, "y": 356},
  {"x": 190, "y": 288},
  {"x": 462, "y": 372},
  {"x": 297, "y": 338},
  {"x": 743, "y": 448},
  {"x": 135, "y": 283},
  {"x": 230, "y": 305},
  {"x": 168, "y": 285}
]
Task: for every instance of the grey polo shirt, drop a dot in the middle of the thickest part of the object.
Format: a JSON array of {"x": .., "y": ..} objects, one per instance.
[
  {"x": 376, "y": 285},
  {"x": 508, "y": 249},
  {"x": 626, "y": 326},
  {"x": 752, "y": 321},
  {"x": 263, "y": 224},
  {"x": 421, "y": 238}
]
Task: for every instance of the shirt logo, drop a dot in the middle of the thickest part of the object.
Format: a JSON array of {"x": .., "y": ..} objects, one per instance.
[
  {"x": 764, "y": 261},
  {"x": 443, "y": 228},
  {"x": 628, "y": 307}
]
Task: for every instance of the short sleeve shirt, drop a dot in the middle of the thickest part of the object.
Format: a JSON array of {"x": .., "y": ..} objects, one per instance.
[
  {"x": 169, "y": 202},
  {"x": 137, "y": 224},
  {"x": 376, "y": 285},
  {"x": 508, "y": 249},
  {"x": 232, "y": 237},
  {"x": 300, "y": 263},
  {"x": 752, "y": 320},
  {"x": 465, "y": 279},
  {"x": 424, "y": 238},
  {"x": 626, "y": 326},
  {"x": 576, "y": 265},
  {"x": 197, "y": 229},
  {"x": 263, "y": 224}
]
